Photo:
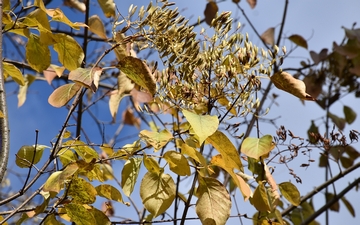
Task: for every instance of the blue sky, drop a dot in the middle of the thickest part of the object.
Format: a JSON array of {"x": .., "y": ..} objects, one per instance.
[{"x": 319, "y": 21}]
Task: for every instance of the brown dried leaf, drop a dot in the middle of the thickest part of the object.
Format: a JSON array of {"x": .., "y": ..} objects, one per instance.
[
  {"x": 268, "y": 36},
  {"x": 210, "y": 12},
  {"x": 129, "y": 118},
  {"x": 252, "y": 3},
  {"x": 298, "y": 40},
  {"x": 286, "y": 82}
]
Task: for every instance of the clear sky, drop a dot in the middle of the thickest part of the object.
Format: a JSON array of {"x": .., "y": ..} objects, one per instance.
[{"x": 318, "y": 21}]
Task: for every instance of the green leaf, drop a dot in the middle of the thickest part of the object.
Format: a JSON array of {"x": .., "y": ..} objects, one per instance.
[
  {"x": 100, "y": 217},
  {"x": 290, "y": 192},
  {"x": 350, "y": 115},
  {"x": 66, "y": 156},
  {"x": 79, "y": 214},
  {"x": 137, "y": 71},
  {"x": 109, "y": 192},
  {"x": 298, "y": 40},
  {"x": 88, "y": 77},
  {"x": 213, "y": 205},
  {"x": 257, "y": 147},
  {"x": 286, "y": 82},
  {"x": 313, "y": 129},
  {"x": 203, "y": 125},
  {"x": 228, "y": 151},
  {"x": 14, "y": 72},
  {"x": 37, "y": 54},
  {"x": 63, "y": 94},
  {"x": 82, "y": 191},
  {"x": 157, "y": 192},
  {"x": 82, "y": 149},
  {"x": 348, "y": 206},
  {"x": 51, "y": 220},
  {"x": 260, "y": 199},
  {"x": 156, "y": 139},
  {"x": 56, "y": 180},
  {"x": 97, "y": 27},
  {"x": 339, "y": 122},
  {"x": 334, "y": 207},
  {"x": 28, "y": 154},
  {"x": 70, "y": 53},
  {"x": 129, "y": 175},
  {"x": 178, "y": 163},
  {"x": 152, "y": 165},
  {"x": 108, "y": 7},
  {"x": 218, "y": 160}
]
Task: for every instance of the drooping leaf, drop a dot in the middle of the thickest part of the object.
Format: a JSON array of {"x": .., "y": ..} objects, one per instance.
[
  {"x": 156, "y": 139},
  {"x": 260, "y": 199},
  {"x": 37, "y": 54},
  {"x": 257, "y": 147},
  {"x": 177, "y": 162},
  {"x": 109, "y": 192},
  {"x": 238, "y": 180},
  {"x": 70, "y": 53},
  {"x": 334, "y": 207},
  {"x": 210, "y": 11},
  {"x": 51, "y": 220},
  {"x": 314, "y": 130},
  {"x": 213, "y": 205},
  {"x": 193, "y": 153},
  {"x": 268, "y": 36},
  {"x": 129, "y": 175},
  {"x": 339, "y": 122},
  {"x": 252, "y": 3},
  {"x": 346, "y": 162},
  {"x": 290, "y": 192},
  {"x": 314, "y": 84},
  {"x": 58, "y": 15},
  {"x": 57, "y": 179},
  {"x": 272, "y": 190},
  {"x": 11, "y": 70},
  {"x": 228, "y": 151},
  {"x": 81, "y": 191},
  {"x": 96, "y": 26},
  {"x": 350, "y": 114},
  {"x": 108, "y": 7},
  {"x": 29, "y": 79},
  {"x": 63, "y": 94},
  {"x": 88, "y": 77},
  {"x": 298, "y": 40},
  {"x": 286, "y": 82},
  {"x": 348, "y": 206},
  {"x": 79, "y": 214},
  {"x": 157, "y": 192},
  {"x": 203, "y": 125},
  {"x": 76, "y": 4},
  {"x": 137, "y": 71},
  {"x": 29, "y": 154},
  {"x": 114, "y": 102}
]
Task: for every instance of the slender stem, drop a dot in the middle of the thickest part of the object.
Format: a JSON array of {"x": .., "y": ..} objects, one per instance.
[
  {"x": 331, "y": 202},
  {"x": 4, "y": 122}
]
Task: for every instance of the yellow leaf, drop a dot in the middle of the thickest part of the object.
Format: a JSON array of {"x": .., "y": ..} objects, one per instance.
[
  {"x": 23, "y": 89},
  {"x": 88, "y": 77},
  {"x": 69, "y": 51},
  {"x": 108, "y": 7},
  {"x": 227, "y": 150},
  {"x": 14, "y": 72},
  {"x": 6, "y": 7},
  {"x": 96, "y": 26},
  {"x": 136, "y": 70},
  {"x": 79, "y": 214},
  {"x": 114, "y": 102},
  {"x": 63, "y": 94},
  {"x": 286, "y": 82},
  {"x": 2, "y": 114},
  {"x": 81, "y": 191},
  {"x": 129, "y": 175},
  {"x": 76, "y": 5},
  {"x": 37, "y": 54},
  {"x": 109, "y": 192},
  {"x": 152, "y": 165},
  {"x": 193, "y": 153},
  {"x": 203, "y": 125},
  {"x": 257, "y": 147},
  {"x": 58, "y": 15},
  {"x": 156, "y": 139},
  {"x": 178, "y": 163},
  {"x": 57, "y": 179}
]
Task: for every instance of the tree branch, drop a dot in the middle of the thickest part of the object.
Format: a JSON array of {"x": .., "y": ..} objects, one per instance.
[{"x": 4, "y": 122}]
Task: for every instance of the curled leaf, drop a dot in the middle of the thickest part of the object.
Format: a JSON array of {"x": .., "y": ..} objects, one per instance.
[{"x": 288, "y": 83}]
